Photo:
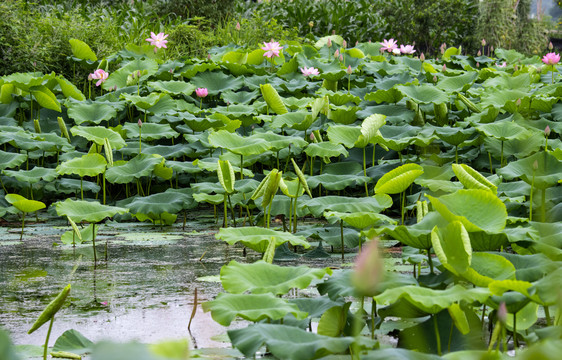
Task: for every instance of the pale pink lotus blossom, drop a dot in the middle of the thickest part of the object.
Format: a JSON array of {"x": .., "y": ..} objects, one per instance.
[
  {"x": 271, "y": 49},
  {"x": 202, "y": 92},
  {"x": 389, "y": 45},
  {"x": 158, "y": 40},
  {"x": 407, "y": 49},
  {"x": 309, "y": 71},
  {"x": 396, "y": 51},
  {"x": 502, "y": 65},
  {"x": 100, "y": 75},
  {"x": 238, "y": 26},
  {"x": 551, "y": 59}
]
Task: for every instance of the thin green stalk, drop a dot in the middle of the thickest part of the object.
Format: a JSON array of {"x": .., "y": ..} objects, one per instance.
[
  {"x": 81, "y": 189},
  {"x": 241, "y": 167},
  {"x": 515, "y": 340},
  {"x": 547, "y": 315},
  {"x": 22, "y": 224},
  {"x": 365, "y": 171},
  {"x": 342, "y": 245},
  {"x": 456, "y": 154},
  {"x": 450, "y": 336},
  {"x": 501, "y": 156},
  {"x": 437, "y": 336},
  {"x": 225, "y": 219},
  {"x": 232, "y": 211},
  {"x": 429, "y": 261},
  {"x": 531, "y": 198},
  {"x": 47, "y": 338},
  {"x": 543, "y": 205},
  {"x": 269, "y": 214},
  {"x": 402, "y": 201},
  {"x": 94, "y": 242}
]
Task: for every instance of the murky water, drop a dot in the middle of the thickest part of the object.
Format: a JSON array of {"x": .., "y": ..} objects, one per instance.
[{"x": 144, "y": 291}]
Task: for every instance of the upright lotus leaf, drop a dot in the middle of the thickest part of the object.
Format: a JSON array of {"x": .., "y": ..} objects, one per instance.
[
  {"x": 156, "y": 204},
  {"x": 325, "y": 150},
  {"x": 216, "y": 82},
  {"x": 90, "y": 211},
  {"x": 237, "y": 144},
  {"x": 139, "y": 166},
  {"x": 433, "y": 301},
  {"x": 359, "y": 220},
  {"x": 95, "y": 112},
  {"x": 472, "y": 179},
  {"x": 119, "y": 77},
  {"x": 11, "y": 160},
  {"x": 252, "y": 307},
  {"x": 257, "y": 238},
  {"x": 477, "y": 210},
  {"x": 452, "y": 246},
  {"x": 97, "y": 134},
  {"x": 502, "y": 130},
  {"x": 454, "y": 135},
  {"x": 173, "y": 87},
  {"x": 34, "y": 175},
  {"x": 49, "y": 312},
  {"x": 547, "y": 174},
  {"x": 143, "y": 102},
  {"x": 279, "y": 142},
  {"x": 45, "y": 97},
  {"x": 226, "y": 176},
  {"x": 487, "y": 267},
  {"x": 417, "y": 235},
  {"x": 424, "y": 94},
  {"x": 81, "y": 50},
  {"x": 301, "y": 177},
  {"x": 457, "y": 83},
  {"x": 344, "y": 134},
  {"x": 288, "y": 342},
  {"x": 69, "y": 90},
  {"x": 261, "y": 277},
  {"x": 398, "y": 180},
  {"x": 347, "y": 204},
  {"x": 74, "y": 342},
  {"x": 369, "y": 129},
  {"x": 150, "y": 131},
  {"x": 86, "y": 165},
  {"x": 25, "y": 206},
  {"x": 272, "y": 98}
]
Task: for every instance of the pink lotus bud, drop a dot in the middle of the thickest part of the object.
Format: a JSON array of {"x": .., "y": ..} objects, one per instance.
[
  {"x": 477, "y": 64},
  {"x": 550, "y": 46},
  {"x": 138, "y": 74},
  {"x": 114, "y": 88},
  {"x": 104, "y": 303},
  {"x": 329, "y": 43},
  {"x": 479, "y": 53},
  {"x": 171, "y": 71},
  {"x": 483, "y": 42},
  {"x": 237, "y": 26},
  {"x": 312, "y": 136},
  {"x": 518, "y": 102},
  {"x": 311, "y": 23},
  {"x": 547, "y": 130},
  {"x": 139, "y": 123},
  {"x": 337, "y": 53},
  {"x": 492, "y": 48},
  {"x": 356, "y": 43},
  {"x": 341, "y": 57},
  {"x": 344, "y": 44},
  {"x": 434, "y": 78},
  {"x": 535, "y": 165},
  {"x": 444, "y": 67},
  {"x": 201, "y": 92},
  {"x": 368, "y": 270},
  {"x": 422, "y": 57},
  {"x": 208, "y": 56},
  {"x": 502, "y": 312},
  {"x": 349, "y": 70}
]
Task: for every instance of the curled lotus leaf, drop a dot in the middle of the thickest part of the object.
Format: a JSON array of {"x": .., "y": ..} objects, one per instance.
[
  {"x": 398, "y": 180},
  {"x": 90, "y": 211}
]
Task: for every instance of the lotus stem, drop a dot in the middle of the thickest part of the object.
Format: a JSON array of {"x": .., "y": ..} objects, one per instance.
[
  {"x": 501, "y": 156},
  {"x": 491, "y": 167},
  {"x": 232, "y": 212},
  {"x": 543, "y": 205},
  {"x": 373, "y": 313},
  {"x": 290, "y": 213},
  {"x": 241, "y": 167},
  {"x": 531, "y": 198},
  {"x": 450, "y": 336},
  {"x": 429, "y": 261},
  {"x": 22, "y": 224},
  {"x": 456, "y": 154},
  {"x": 342, "y": 245},
  {"x": 269, "y": 213},
  {"x": 547, "y": 315},
  {"x": 81, "y": 189},
  {"x": 94, "y": 243},
  {"x": 402, "y": 201},
  {"x": 515, "y": 341},
  {"x": 225, "y": 220},
  {"x": 295, "y": 211},
  {"x": 47, "y": 338},
  {"x": 437, "y": 336},
  {"x": 365, "y": 171}
]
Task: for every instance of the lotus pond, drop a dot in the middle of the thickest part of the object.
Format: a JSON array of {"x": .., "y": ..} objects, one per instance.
[{"x": 244, "y": 205}]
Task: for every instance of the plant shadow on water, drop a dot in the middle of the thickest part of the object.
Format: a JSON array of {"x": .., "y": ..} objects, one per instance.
[{"x": 143, "y": 293}]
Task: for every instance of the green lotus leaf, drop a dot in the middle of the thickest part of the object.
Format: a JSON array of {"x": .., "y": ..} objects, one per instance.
[
  {"x": 86, "y": 165},
  {"x": 73, "y": 341},
  {"x": 70, "y": 237},
  {"x": 502, "y": 130},
  {"x": 257, "y": 238},
  {"x": 526, "y": 317},
  {"x": 472, "y": 179},
  {"x": 91, "y": 112},
  {"x": 476, "y": 209},
  {"x": 547, "y": 174},
  {"x": 237, "y": 144},
  {"x": 139, "y": 166},
  {"x": 483, "y": 241},
  {"x": 452, "y": 246},
  {"x": 333, "y": 321},
  {"x": 272, "y": 98},
  {"x": 226, "y": 176},
  {"x": 279, "y": 142},
  {"x": 216, "y": 82},
  {"x": 325, "y": 150},
  {"x": 143, "y": 102},
  {"x": 23, "y": 204},
  {"x": 27, "y": 80},
  {"x": 34, "y": 175},
  {"x": 390, "y": 96},
  {"x": 150, "y": 131},
  {"x": 119, "y": 77},
  {"x": 398, "y": 138},
  {"x": 398, "y": 180},
  {"x": 424, "y": 94},
  {"x": 376, "y": 203},
  {"x": 499, "y": 99},
  {"x": 337, "y": 182},
  {"x": 239, "y": 97},
  {"x": 252, "y": 307},
  {"x": 90, "y": 211},
  {"x": 344, "y": 134},
  {"x": 45, "y": 97},
  {"x": 156, "y": 204},
  {"x": 417, "y": 235},
  {"x": 173, "y": 87},
  {"x": 81, "y": 50},
  {"x": 359, "y": 220},
  {"x": 454, "y": 135},
  {"x": 11, "y": 160},
  {"x": 261, "y": 277},
  {"x": 487, "y": 267},
  {"x": 210, "y": 164},
  {"x": 97, "y": 134},
  {"x": 433, "y": 301},
  {"x": 457, "y": 83},
  {"x": 405, "y": 354}
]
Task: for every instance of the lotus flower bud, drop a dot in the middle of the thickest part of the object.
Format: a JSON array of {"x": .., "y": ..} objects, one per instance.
[
  {"x": 422, "y": 57},
  {"x": 349, "y": 71},
  {"x": 515, "y": 68},
  {"x": 312, "y": 136},
  {"x": 139, "y": 123},
  {"x": 311, "y": 23},
  {"x": 502, "y": 312},
  {"x": 329, "y": 44},
  {"x": 492, "y": 48},
  {"x": 139, "y": 74},
  {"x": 344, "y": 44},
  {"x": 477, "y": 64},
  {"x": 341, "y": 57},
  {"x": 518, "y": 102},
  {"x": 237, "y": 26},
  {"x": 208, "y": 56},
  {"x": 444, "y": 67},
  {"x": 535, "y": 165},
  {"x": 434, "y": 78},
  {"x": 547, "y": 130},
  {"x": 114, "y": 88},
  {"x": 337, "y": 53},
  {"x": 550, "y": 46},
  {"x": 479, "y": 53},
  {"x": 356, "y": 43},
  {"x": 483, "y": 42},
  {"x": 368, "y": 269}
]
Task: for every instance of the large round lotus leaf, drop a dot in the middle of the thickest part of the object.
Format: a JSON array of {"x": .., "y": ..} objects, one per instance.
[
  {"x": 261, "y": 277},
  {"x": 503, "y": 130},
  {"x": 26, "y": 80},
  {"x": 139, "y": 166},
  {"x": 272, "y": 98},
  {"x": 336, "y": 182},
  {"x": 425, "y": 94},
  {"x": 288, "y": 342},
  {"x": 417, "y": 235},
  {"x": 166, "y": 151},
  {"x": 90, "y": 211},
  {"x": 398, "y": 180},
  {"x": 252, "y": 307},
  {"x": 459, "y": 83},
  {"x": 119, "y": 77},
  {"x": 34, "y": 175},
  {"x": 240, "y": 97},
  {"x": 344, "y": 134},
  {"x": 216, "y": 82},
  {"x": 454, "y": 135},
  {"x": 249, "y": 145},
  {"x": 376, "y": 203},
  {"x": 173, "y": 87},
  {"x": 257, "y": 238},
  {"x": 91, "y": 113},
  {"x": 326, "y": 150},
  {"x": 499, "y": 99},
  {"x": 156, "y": 204},
  {"x": 390, "y": 96},
  {"x": 433, "y": 301},
  {"x": 359, "y": 220},
  {"x": 398, "y": 138},
  {"x": 86, "y": 165},
  {"x": 452, "y": 246},
  {"x": 487, "y": 267},
  {"x": 150, "y": 131},
  {"x": 344, "y": 115},
  {"x": 279, "y": 142},
  {"x": 472, "y": 179},
  {"x": 97, "y": 134},
  {"x": 11, "y": 160},
  {"x": 477, "y": 210},
  {"x": 23, "y": 204},
  {"x": 143, "y": 102},
  {"x": 547, "y": 174}
]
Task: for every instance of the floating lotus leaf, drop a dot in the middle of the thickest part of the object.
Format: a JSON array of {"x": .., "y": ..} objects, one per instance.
[
  {"x": 11, "y": 160},
  {"x": 90, "y": 211},
  {"x": 252, "y": 307},
  {"x": 425, "y": 94},
  {"x": 150, "y": 131},
  {"x": 86, "y": 165},
  {"x": 261, "y": 277},
  {"x": 34, "y": 175},
  {"x": 398, "y": 180},
  {"x": 452, "y": 246},
  {"x": 272, "y": 98},
  {"x": 547, "y": 174},
  {"x": 502, "y": 130},
  {"x": 325, "y": 150},
  {"x": 173, "y": 87},
  {"x": 472, "y": 179},
  {"x": 216, "y": 82},
  {"x": 91, "y": 112},
  {"x": 257, "y": 238},
  {"x": 237, "y": 144},
  {"x": 476, "y": 209},
  {"x": 279, "y": 142},
  {"x": 97, "y": 134},
  {"x": 376, "y": 203},
  {"x": 139, "y": 166}
]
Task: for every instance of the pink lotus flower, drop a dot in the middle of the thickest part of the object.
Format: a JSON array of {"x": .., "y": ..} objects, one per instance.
[
  {"x": 396, "y": 51},
  {"x": 309, "y": 71},
  {"x": 202, "y": 92},
  {"x": 158, "y": 40},
  {"x": 502, "y": 65},
  {"x": 389, "y": 45},
  {"x": 99, "y": 75},
  {"x": 271, "y": 49},
  {"x": 407, "y": 49},
  {"x": 551, "y": 59}
]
